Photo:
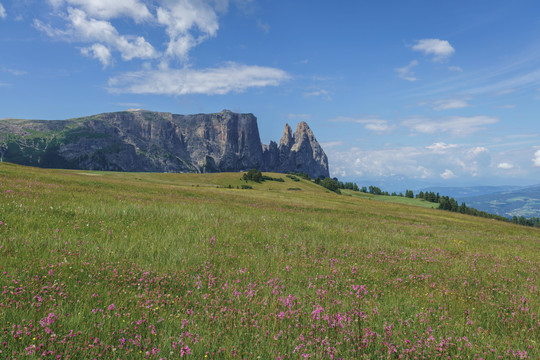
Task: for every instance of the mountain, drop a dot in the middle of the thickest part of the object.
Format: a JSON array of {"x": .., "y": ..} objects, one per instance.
[
  {"x": 147, "y": 141},
  {"x": 522, "y": 202}
]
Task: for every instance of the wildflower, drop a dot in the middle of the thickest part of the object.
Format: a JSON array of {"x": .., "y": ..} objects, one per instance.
[{"x": 111, "y": 307}]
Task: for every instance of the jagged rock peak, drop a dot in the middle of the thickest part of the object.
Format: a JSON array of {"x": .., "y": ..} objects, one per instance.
[
  {"x": 287, "y": 138},
  {"x": 302, "y": 128}
]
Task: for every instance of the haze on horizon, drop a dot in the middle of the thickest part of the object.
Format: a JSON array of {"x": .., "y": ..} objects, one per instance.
[{"x": 435, "y": 93}]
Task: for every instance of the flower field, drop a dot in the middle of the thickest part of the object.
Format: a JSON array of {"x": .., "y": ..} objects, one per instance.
[{"x": 168, "y": 266}]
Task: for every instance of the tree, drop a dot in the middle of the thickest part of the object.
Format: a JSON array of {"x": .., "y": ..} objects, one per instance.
[
  {"x": 331, "y": 184},
  {"x": 253, "y": 175}
]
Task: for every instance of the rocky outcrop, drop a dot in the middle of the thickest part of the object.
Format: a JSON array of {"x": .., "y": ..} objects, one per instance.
[
  {"x": 160, "y": 142},
  {"x": 299, "y": 153}
]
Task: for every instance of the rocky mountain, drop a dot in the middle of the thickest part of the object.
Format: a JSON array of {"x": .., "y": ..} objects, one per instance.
[{"x": 141, "y": 140}]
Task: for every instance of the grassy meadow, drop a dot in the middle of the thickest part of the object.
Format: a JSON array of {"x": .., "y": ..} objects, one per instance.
[{"x": 168, "y": 266}]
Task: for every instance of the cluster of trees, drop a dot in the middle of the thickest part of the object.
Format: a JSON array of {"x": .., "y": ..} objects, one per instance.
[
  {"x": 429, "y": 196},
  {"x": 257, "y": 176},
  {"x": 450, "y": 204},
  {"x": 253, "y": 175},
  {"x": 300, "y": 175},
  {"x": 522, "y": 220},
  {"x": 330, "y": 184}
]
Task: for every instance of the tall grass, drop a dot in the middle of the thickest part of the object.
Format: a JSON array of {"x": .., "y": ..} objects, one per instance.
[{"x": 117, "y": 265}]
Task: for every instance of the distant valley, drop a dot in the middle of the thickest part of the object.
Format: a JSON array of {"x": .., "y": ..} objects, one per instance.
[{"x": 508, "y": 201}]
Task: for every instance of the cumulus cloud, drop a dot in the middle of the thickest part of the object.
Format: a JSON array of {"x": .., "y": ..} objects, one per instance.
[
  {"x": 103, "y": 34},
  {"x": 455, "y": 125},
  {"x": 536, "y": 158},
  {"x": 231, "y": 77},
  {"x": 441, "y": 147},
  {"x": 3, "y": 14},
  {"x": 380, "y": 162},
  {"x": 185, "y": 24},
  {"x": 370, "y": 123},
  {"x": 476, "y": 161},
  {"x": 100, "y": 52},
  {"x": 407, "y": 72},
  {"x": 440, "y": 49},
  {"x": 179, "y": 18},
  {"x": 505, "y": 166},
  {"x": 419, "y": 162},
  {"x": 448, "y": 174},
  {"x": 107, "y": 9}
]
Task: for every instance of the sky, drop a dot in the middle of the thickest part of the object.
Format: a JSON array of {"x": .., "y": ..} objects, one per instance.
[{"x": 421, "y": 92}]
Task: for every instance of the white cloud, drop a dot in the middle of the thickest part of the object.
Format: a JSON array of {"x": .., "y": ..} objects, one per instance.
[
  {"x": 3, "y": 14},
  {"x": 100, "y": 52},
  {"x": 455, "y": 69},
  {"x": 381, "y": 162},
  {"x": 185, "y": 24},
  {"x": 179, "y": 18},
  {"x": 88, "y": 21},
  {"x": 441, "y": 148},
  {"x": 318, "y": 92},
  {"x": 107, "y": 9},
  {"x": 476, "y": 161},
  {"x": 476, "y": 151},
  {"x": 505, "y": 166},
  {"x": 406, "y": 71},
  {"x": 370, "y": 123},
  {"x": 440, "y": 49},
  {"x": 449, "y": 104},
  {"x": 231, "y": 77},
  {"x": 103, "y": 34},
  {"x": 455, "y": 125},
  {"x": 536, "y": 158},
  {"x": 448, "y": 174}
]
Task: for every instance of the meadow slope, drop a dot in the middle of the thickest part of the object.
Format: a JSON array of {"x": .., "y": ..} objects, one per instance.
[{"x": 162, "y": 266}]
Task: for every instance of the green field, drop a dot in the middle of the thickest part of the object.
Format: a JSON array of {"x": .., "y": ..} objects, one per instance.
[{"x": 162, "y": 266}]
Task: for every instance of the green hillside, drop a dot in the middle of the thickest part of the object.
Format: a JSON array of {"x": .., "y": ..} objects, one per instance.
[{"x": 144, "y": 265}]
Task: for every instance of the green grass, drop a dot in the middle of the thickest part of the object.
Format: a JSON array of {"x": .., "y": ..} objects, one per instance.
[
  {"x": 139, "y": 265},
  {"x": 393, "y": 199}
]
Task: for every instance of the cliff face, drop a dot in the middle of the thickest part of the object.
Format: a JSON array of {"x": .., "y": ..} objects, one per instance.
[{"x": 160, "y": 142}]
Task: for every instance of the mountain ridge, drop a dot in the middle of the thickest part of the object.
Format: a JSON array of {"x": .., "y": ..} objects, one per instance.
[{"x": 142, "y": 140}]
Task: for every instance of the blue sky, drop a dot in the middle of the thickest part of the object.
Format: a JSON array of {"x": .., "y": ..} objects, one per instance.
[{"x": 434, "y": 92}]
